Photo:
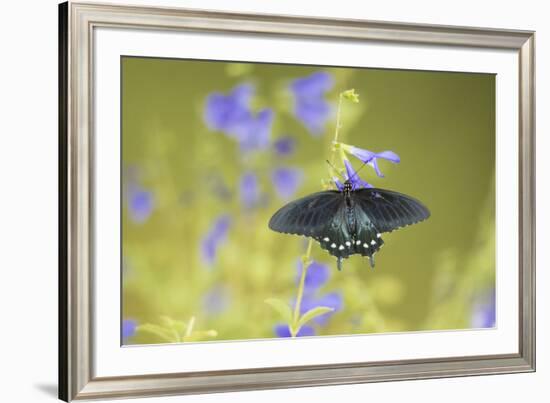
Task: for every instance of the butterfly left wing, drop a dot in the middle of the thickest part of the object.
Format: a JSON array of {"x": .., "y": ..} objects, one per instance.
[
  {"x": 321, "y": 216},
  {"x": 307, "y": 216}
]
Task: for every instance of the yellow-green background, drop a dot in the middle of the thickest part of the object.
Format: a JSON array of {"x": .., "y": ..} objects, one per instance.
[{"x": 427, "y": 276}]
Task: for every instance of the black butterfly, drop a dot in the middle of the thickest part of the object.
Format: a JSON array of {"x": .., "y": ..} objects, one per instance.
[{"x": 349, "y": 221}]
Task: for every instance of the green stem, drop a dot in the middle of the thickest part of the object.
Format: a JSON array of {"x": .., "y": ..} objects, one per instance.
[
  {"x": 306, "y": 262},
  {"x": 338, "y": 116},
  {"x": 176, "y": 335},
  {"x": 189, "y": 328},
  {"x": 335, "y": 142},
  {"x": 306, "y": 258}
]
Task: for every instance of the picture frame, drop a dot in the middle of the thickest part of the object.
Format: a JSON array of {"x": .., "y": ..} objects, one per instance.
[{"x": 78, "y": 156}]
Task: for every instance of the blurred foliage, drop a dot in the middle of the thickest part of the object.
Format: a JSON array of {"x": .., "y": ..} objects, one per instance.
[{"x": 179, "y": 177}]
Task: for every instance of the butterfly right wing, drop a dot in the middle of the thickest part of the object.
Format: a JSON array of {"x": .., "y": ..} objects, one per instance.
[
  {"x": 389, "y": 210},
  {"x": 308, "y": 216}
]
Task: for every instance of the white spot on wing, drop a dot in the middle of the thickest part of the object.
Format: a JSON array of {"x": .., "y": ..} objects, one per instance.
[
  {"x": 365, "y": 245},
  {"x": 358, "y": 243},
  {"x": 373, "y": 242},
  {"x": 378, "y": 235},
  {"x": 348, "y": 243},
  {"x": 341, "y": 247},
  {"x": 326, "y": 239},
  {"x": 333, "y": 245}
]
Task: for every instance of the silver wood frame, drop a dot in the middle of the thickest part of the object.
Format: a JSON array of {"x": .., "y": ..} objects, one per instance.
[{"x": 76, "y": 373}]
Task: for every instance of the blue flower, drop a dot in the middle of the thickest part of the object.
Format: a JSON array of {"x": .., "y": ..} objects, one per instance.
[
  {"x": 214, "y": 238},
  {"x": 317, "y": 275},
  {"x": 286, "y": 181},
  {"x": 254, "y": 133},
  {"x": 226, "y": 112},
  {"x": 249, "y": 190},
  {"x": 332, "y": 300},
  {"x": 231, "y": 114},
  {"x": 370, "y": 158},
  {"x": 140, "y": 204},
  {"x": 484, "y": 311},
  {"x": 128, "y": 328},
  {"x": 216, "y": 300},
  {"x": 282, "y": 330},
  {"x": 353, "y": 177},
  {"x": 284, "y": 146},
  {"x": 310, "y": 107}
]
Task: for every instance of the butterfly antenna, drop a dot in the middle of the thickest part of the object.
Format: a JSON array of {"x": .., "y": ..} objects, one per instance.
[
  {"x": 335, "y": 170},
  {"x": 357, "y": 172}
]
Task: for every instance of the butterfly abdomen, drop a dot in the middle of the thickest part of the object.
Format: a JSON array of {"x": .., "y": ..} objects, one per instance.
[{"x": 350, "y": 218}]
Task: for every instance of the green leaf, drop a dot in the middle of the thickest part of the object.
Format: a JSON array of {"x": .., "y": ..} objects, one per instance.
[
  {"x": 351, "y": 95},
  {"x": 312, "y": 313},
  {"x": 282, "y": 308},
  {"x": 176, "y": 325},
  {"x": 167, "y": 321},
  {"x": 158, "y": 331},
  {"x": 201, "y": 335},
  {"x": 173, "y": 326}
]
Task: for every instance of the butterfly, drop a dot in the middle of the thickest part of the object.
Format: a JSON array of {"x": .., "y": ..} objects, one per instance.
[{"x": 349, "y": 221}]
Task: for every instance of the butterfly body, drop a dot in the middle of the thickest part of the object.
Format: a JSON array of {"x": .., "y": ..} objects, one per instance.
[{"x": 349, "y": 221}]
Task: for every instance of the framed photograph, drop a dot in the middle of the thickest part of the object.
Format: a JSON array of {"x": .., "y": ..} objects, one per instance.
[{"x": 267, "y": 201}]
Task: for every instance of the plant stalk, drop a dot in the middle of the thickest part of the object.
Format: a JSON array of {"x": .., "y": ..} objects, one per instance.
[{"x": 306, "y": 258}]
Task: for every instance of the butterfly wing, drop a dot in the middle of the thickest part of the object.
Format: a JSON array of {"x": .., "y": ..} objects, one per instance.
[
  {"x": 321, "y": 216},
  {"x": 367, "y": 240},
  {"x": 307, "y": 216},
  {"x": 337, "y": 237},
  {"x": 325, "y": 217},
  {"x": 345, "y": 230},
  {"x": 388, "y": 210}
]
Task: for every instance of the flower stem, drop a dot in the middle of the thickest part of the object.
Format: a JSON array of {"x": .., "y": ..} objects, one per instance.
[
  {"x": 306, "y": 262},
  {"x": 190, "y": 326},
  {"x": 338, "y": 115},
  {"x": 335, "y": 143},
  {"x": 306, "y": 258}
]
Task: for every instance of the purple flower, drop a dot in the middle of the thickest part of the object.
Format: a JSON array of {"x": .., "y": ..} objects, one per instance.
[
  {"x": 484, "y": 312},
  {"x": 282, "y": 330},
  {"x": 249, "y": 190},
  {"x": 254, "y": 133},
  {"x": 353, "y": 177},
  {"x": 284, "y": 146},
  {"x": 214, "y": 238},
  {"x": 286, "y": 181},
  {"x": 226, "y": 112},
  {"x": 140, "y": 204},
  {"x": 370, "y": 158},
  {"x": 128, "y": 328},
  {"x": 317, "y": 275},
  {"x": 332, "y": 300},
  {"x": 216, "y": 300},
  {"x": 231, "y": 114},
  {"x": 310, "y": 107}
]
